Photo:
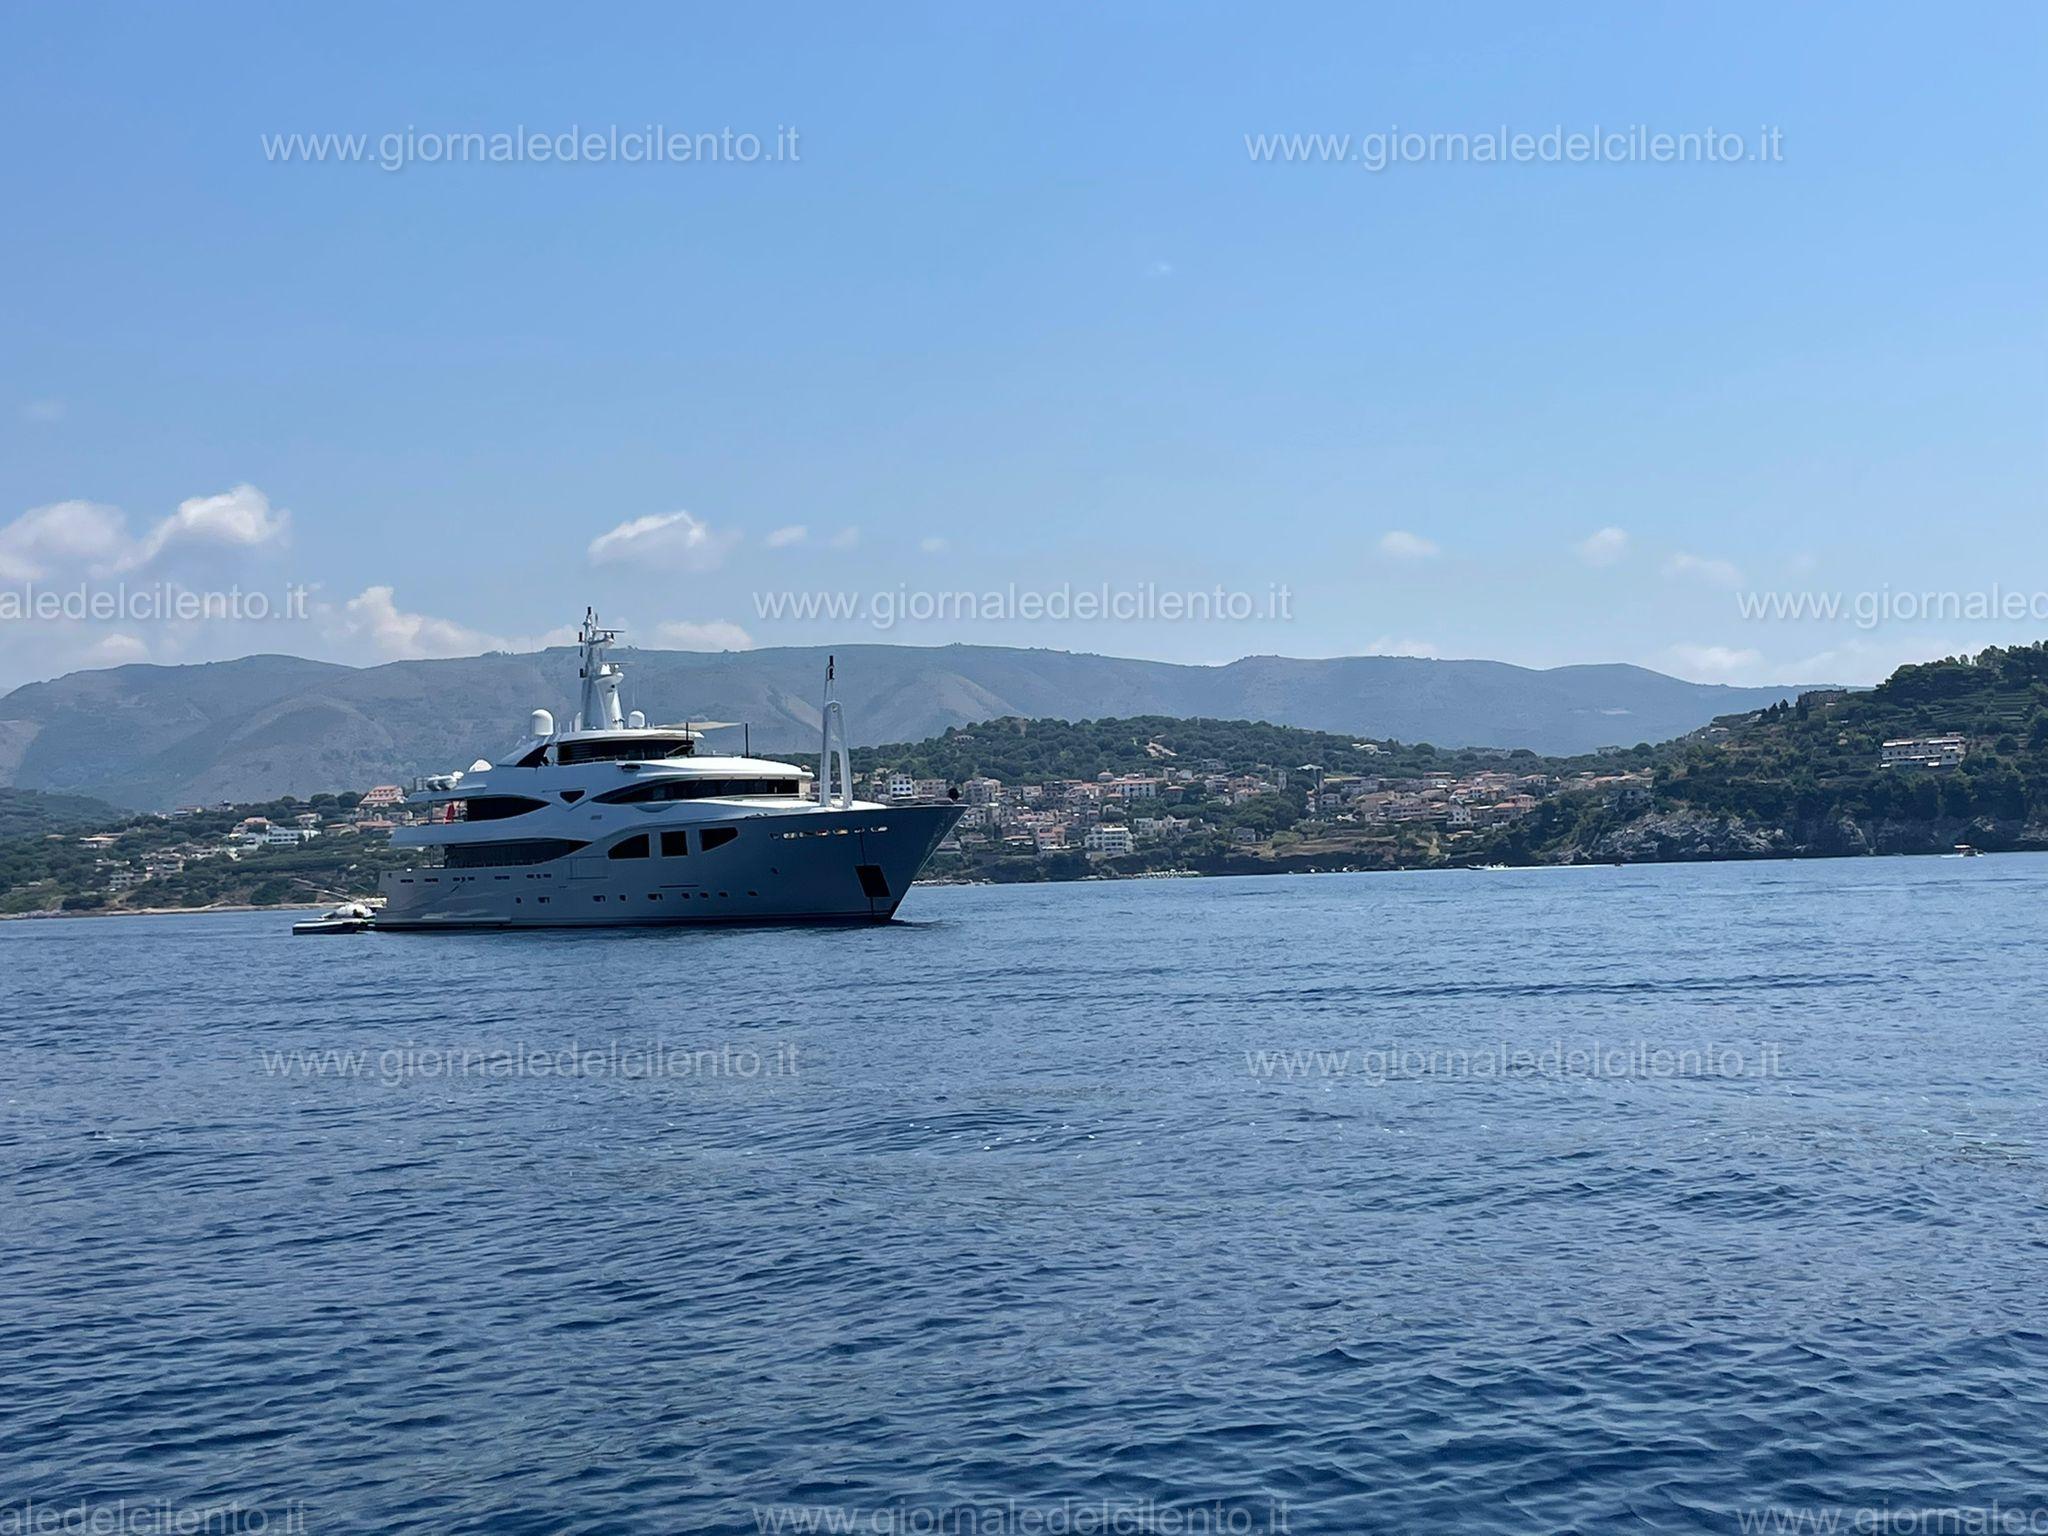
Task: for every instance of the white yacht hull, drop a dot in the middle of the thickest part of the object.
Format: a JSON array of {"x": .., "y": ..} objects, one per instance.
[{"x": 809, "y": 865}]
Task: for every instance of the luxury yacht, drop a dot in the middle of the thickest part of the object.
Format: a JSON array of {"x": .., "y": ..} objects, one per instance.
[{"x": 615, "y": 822}]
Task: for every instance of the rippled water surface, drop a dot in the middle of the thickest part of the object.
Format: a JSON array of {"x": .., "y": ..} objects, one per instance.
[{"x": 1644, "y": 1198}]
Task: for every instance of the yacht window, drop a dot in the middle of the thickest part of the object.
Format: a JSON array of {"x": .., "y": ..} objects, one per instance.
[
  {"x": 632, "y": 848},
  {"x": 498, "y": 807},
  {"x": 674, "y": 844},
  {"x": 716, "y": 837},
  {"x": 698, "y": 789},
  {"x": 535, "y": 850},
  {"x": 622, "y": 749}
]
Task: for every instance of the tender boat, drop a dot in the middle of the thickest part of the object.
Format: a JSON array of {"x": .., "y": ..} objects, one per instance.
[
  {"x": 618, "y": 823},
  {"x": 349, "y": 917}
]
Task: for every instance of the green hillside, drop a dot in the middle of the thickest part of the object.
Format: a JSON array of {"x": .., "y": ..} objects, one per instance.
[
  {"x": 30, "y": 813},
  {"x": 1031, "y": 751},
  {"x": 181, "y": 862},
  {"x": 1819, "y": 757},
  {"x": 1805, "y": 778}
]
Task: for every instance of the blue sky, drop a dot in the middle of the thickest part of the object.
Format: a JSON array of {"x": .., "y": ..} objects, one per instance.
[{"x": 1024, "y": 310}]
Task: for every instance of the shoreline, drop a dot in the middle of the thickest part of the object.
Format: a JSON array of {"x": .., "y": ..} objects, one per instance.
[
  {"x": 46, "y": 915},
  {"x": 1107, "y": 878},
  {"x": 1102, "y": 876}
]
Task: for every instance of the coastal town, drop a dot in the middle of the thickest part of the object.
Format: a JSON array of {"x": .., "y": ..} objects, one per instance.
[
  {"x": 293, "y": 850},
  {"x": 1113, "y": 814},
  {"x": 333, "y": 843}
]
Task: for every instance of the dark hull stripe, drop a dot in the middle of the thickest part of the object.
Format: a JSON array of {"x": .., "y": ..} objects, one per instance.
[{"x": 496, "y": 925}]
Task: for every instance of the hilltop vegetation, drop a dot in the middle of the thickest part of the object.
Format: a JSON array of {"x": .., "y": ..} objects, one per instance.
[
  {"x": 1804, "y": 777},
  {"x": 1033, "y": 751},
  {"x": 30, "y": 813},
  {"x": 182, "y": 862},
  {"x": 1818, "y": 757}
]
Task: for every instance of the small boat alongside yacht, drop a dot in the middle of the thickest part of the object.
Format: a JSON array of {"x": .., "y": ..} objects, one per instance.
[
  {"x": 614, "y": 822},
  {"x": 349, "y": 917}
]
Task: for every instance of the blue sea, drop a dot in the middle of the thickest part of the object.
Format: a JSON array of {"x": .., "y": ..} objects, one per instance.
[{"x": 1663, "y": 1198}]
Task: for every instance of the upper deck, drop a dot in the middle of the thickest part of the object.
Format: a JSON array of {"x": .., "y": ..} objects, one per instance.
[{"x": 609, "y": 761}]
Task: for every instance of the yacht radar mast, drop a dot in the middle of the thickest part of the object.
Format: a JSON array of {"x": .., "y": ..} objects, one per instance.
[
  {"x": 832, "y": 746},
  {"x": 599, "y": 710}
]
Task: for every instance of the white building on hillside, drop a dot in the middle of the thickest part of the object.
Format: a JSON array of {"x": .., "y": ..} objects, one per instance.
[
  {"x": 1109, "y": 838},
  {"x": 1922, "y": 752}
]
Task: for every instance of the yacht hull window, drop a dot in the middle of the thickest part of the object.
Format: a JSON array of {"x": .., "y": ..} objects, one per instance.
[{"x": 533, "y": 850}]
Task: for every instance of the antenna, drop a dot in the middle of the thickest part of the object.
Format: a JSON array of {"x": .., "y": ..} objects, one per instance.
[
  {"x": 832, "y": 732},
  {"x": 600, "y": 678}
]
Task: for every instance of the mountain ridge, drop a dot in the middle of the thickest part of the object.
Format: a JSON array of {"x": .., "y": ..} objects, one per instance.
[{"x": 150, "y": 736}]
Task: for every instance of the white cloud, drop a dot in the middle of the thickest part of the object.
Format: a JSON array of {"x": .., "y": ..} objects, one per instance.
[
  {"x": 1605, "y": 547},
  {"x": 64, "y": 536},
  {"x": 373, "y": 617},
  {"x": 1160, "y": 269},
  {"x": 783, "y": 538},
  {"x": 1854, "y": 661},
  {"x": 90, "y": 538},
  {"x": 1389, "y": 645},
  {"x": 1717, "y": 573},
  {"x": 1403, "y": 545},
  {"x": 846, "y": 538},
  {"x": 932, "y": 546},
  {"x": 116, "y": 650},
  {"x": 671, "y": 539},
  {"x": 1716, "y": 663},
  {"x": 1863, "y": 660},
  {"x": 240, "y": 517},
  {"x": 709, "y": 635},
  {"x": 43, "y": 412}
]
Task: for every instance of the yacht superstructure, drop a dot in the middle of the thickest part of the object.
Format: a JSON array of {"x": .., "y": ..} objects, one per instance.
[{"x": 616, "y": 822}]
